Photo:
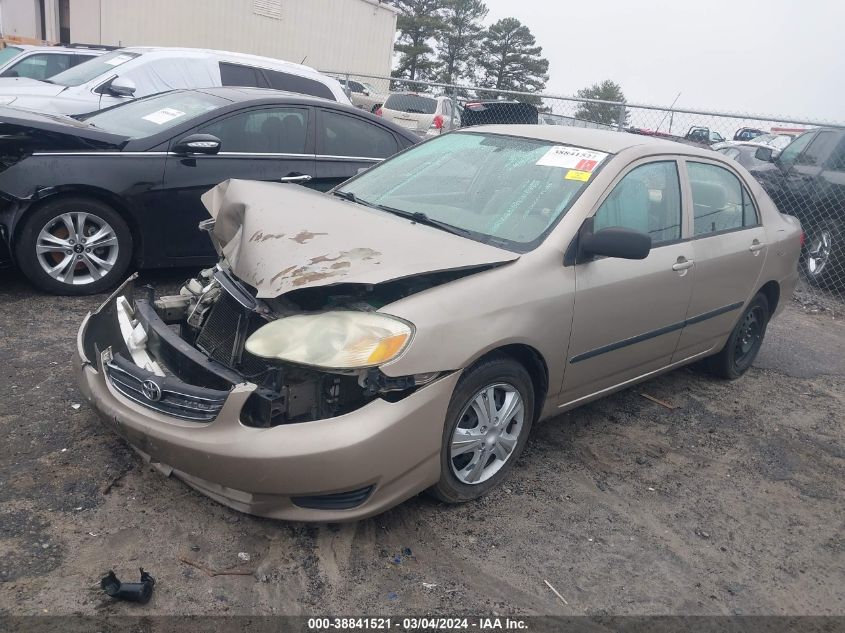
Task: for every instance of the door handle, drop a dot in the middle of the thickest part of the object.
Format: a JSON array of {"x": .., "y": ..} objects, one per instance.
[
  {"x": 297, "y": 178},
  {"x": 682, "y": 264},
  {"x": 757, "y": 246}
]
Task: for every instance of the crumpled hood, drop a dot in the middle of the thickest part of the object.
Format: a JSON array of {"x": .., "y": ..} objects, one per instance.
[{"x": 282, "y": 237}]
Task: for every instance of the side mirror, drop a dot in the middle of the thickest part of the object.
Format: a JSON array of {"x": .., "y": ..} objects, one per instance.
[
  {"x": 198, "y": 144},
  {"x": 766, "y": 154},
  {"x": 122, "y": 87},
  {"x": 611, "y": 242}
]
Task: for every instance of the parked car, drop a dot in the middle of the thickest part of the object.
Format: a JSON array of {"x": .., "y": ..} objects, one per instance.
[
  {"x": 352, "y": 349},
  {"x": 807, "y": 180},
  {"x": 42, "y": 62},
  {"x": 364, "y": 95},
  {"x": 423, "y": 114},
  {"x": 128, "y": 73},
  {"x": 743, "y": 153},
  {"x": 81, "y": 201},
  {"x": 776, "y": 141},
  {"x": 747, "y": 133},
  {"x": 704, "y": 135},
  {"x": 498, "y": 112}
]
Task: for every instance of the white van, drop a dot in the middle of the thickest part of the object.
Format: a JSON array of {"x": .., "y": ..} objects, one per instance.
[{"x": 140, "y": 71}]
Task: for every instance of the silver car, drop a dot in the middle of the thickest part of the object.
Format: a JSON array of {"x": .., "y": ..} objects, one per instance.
[{"x": 404, "y": 332}]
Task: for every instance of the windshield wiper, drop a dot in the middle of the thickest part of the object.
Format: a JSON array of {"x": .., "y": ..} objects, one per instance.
[
  {"x": 346, "y": 195},
  {"x": 422, "y": 218}
]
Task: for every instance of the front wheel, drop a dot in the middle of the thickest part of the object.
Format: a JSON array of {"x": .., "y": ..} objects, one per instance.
[
  {"x": 487, "y": 425},
  {"x": 744, "y": 342},
  {"x": 74, "y": 246}
]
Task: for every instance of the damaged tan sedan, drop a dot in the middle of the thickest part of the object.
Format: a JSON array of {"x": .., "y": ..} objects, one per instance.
[{"x": 403, "y": 332}]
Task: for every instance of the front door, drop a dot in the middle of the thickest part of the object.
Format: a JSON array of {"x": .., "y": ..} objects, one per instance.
[
  {"x": 267, "y": 143},
  {"x": 629, "y": 313},
  {"x": 729, "y": 249}
]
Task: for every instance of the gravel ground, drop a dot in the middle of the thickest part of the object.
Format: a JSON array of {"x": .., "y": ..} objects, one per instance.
[{"x": 729, "y": 503}]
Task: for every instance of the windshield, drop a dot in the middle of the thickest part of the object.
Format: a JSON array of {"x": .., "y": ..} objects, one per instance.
[
  {"x": 86, "y": 71},
  {"x": 503, "y": 190},
  {"x": 413, "y": 104},
  {"x": 145, "y": 117},
  {"x": 778, "y": 141},
  {"x": 8, "y": 53}
]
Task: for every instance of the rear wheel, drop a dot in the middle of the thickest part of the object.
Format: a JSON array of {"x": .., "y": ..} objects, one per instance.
[
  {"x": 74, "y": 246},
  {"x": 824, "y": 257},
  {"x": 744, "y": 342},
  {"x": 487, "y": 425}
]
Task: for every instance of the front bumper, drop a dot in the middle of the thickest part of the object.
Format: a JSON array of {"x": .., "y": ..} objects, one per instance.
[{"x": 390, "y": 449}]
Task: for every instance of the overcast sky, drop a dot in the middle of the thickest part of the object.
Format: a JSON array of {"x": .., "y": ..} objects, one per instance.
[{"x": 783, "y": 57}]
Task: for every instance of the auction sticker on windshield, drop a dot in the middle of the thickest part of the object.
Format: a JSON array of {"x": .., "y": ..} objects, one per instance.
[
  {"x": 160, "y": 117},
  {"x": 572, "y": 158}
]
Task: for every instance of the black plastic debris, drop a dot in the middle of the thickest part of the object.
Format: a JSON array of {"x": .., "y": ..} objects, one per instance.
[{"x": 140, "y": 592}]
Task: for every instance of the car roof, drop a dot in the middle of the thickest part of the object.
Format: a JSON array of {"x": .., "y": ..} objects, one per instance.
[
  {"x": 58, "y": 49},
  {"x": 227, "y": 55},
  {"x": 600, "y": 140}
]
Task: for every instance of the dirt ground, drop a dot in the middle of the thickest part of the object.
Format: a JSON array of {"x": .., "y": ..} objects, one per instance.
[{"x": 730, "y": 503}]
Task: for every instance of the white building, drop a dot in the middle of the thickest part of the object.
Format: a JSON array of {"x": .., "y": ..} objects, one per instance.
[{"x": 353, "y": 35}]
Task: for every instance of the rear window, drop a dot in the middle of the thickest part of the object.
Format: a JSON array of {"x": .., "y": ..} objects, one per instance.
[
  {"x": 237, "y": 75},
  {"x": 412, "y": 104},
  {"x": 298, "y": 84}
]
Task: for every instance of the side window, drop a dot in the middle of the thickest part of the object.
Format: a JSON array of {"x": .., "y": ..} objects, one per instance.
[
  {"x": 837, "y": 159},
  {"x": 791, "y": 151},
  {"x": 270, "y": 130},
  {"x": 343, "y": 135},
  {"x": 39, "y": 66},
  {"x": 647, "y": 199},
  {"x": 816, "y": 151},
  {"x": 354, "y": 86},
  {"x": 237, "y": 75},
  {"x": 720, "y": 202},
  {"x": 299, "y": 85}
]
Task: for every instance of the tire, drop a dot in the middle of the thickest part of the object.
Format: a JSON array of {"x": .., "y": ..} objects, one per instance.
[
  {"x": 824, "y": 255},
  {"x": 745, "y": 341},
  {"x": 375, "y": 108},
  {"x": 505, "y": 377},
  {"x": 50, "y": 252}
]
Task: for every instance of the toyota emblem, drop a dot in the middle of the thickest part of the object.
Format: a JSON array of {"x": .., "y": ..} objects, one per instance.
[{"x": 151, "y": 390}]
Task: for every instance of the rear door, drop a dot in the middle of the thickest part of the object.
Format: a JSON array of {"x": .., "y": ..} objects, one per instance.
[
  {"x": 267, "y": 143},
  {"x": 629, "y": 314},
  {"x": 728, "y": 251},
  {"x": 347, "y": 143}
]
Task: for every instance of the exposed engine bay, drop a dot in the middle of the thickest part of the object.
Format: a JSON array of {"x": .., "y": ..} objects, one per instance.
[{"x": 215, "y": 314}]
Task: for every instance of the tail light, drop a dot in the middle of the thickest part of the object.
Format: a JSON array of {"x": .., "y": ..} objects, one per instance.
[
  {"x": 803, "y": 238},
  {"x": 437, "y": 124},
  {"x": 379, "y": 112}
]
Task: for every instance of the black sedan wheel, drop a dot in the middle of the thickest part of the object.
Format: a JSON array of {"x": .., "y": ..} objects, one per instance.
[
  {"x": 824, "y": 260},
  {"x": 74, "y": 246},
  {"x": 744, "y": 342}
]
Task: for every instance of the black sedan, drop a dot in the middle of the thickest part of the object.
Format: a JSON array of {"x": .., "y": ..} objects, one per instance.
[{"x": 83, "y": 200}]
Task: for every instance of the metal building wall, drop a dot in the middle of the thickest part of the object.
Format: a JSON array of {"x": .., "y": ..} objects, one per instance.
[{"x": 354, "y": 34}]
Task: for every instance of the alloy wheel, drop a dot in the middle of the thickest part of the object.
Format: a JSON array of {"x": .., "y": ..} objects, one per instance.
[
  {"x": 77, "y": 248},
  {"x": 818, "y": 253},
  {"x": 487, "y": 433}
]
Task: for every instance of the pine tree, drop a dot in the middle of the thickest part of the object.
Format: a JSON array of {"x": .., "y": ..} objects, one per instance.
[
  {"x": 420, "y": 21},
  {"x": 459, "y": 45},
  {"x": 602, "y": 112},
  {"x": 511, "y": 59}
]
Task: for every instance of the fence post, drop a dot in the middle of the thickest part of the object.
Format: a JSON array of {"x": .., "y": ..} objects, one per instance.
[{"x": 620, "y": 123}]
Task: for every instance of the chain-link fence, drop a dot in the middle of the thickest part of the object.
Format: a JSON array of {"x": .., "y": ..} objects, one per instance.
[{"x": 803, "y": 173}]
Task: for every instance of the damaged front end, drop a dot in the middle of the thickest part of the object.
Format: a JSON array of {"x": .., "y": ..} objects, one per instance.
[{"x": 181, "y": 355}]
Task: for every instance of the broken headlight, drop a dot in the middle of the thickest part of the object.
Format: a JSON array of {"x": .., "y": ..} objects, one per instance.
[{"x": 333, "y": 340}]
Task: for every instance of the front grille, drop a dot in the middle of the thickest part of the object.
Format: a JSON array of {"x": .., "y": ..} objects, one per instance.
[
  {"x": 166, "y": 395},
  {"x": 336, "y": 501},
  {"x": 219, "y": 334}
]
